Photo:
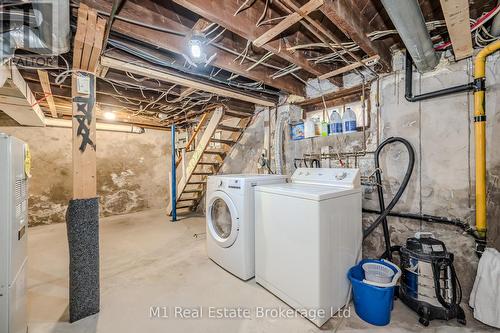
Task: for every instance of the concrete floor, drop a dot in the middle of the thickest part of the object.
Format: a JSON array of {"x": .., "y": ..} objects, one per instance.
[{"x": 147, "y": 261}]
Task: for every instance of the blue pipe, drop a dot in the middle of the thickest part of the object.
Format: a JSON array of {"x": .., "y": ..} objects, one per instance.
[{"x": 174, "y": 178}]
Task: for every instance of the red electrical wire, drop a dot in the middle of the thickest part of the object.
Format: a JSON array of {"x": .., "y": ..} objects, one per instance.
[{"x": 478, "y": 23}]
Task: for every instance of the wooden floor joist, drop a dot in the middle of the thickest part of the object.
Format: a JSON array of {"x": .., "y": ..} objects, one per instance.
[
  {"x": 350, "y": 67},
  {"x": 162, "y": 75},
  {"x": 287, "y": 22},
  {"x": 45, "y": 82}
]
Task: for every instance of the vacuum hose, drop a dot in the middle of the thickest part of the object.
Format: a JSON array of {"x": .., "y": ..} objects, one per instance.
[{"x": 382, "y": 219}]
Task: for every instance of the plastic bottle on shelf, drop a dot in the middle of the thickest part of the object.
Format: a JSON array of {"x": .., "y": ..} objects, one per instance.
[
  {"x": 309, "y": 128},
  {"x": 325, "y": 126},
  {"x": 335, "y": 123},
  {"x": 317, "y": 127},
  {"x": 349, "y": 121}
]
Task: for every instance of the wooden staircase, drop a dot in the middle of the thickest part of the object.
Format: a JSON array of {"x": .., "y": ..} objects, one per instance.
[{"x": 222, "y": 132}]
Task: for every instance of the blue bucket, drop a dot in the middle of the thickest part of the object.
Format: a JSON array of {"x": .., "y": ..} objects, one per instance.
[{"x": 373, "y": 304}]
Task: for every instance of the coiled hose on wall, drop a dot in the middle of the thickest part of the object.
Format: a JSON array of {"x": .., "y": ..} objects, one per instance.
[{"x": 384, "y": 211}]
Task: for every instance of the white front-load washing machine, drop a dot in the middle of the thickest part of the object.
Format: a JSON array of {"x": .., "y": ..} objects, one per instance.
[{"x": 230, "y": 221}]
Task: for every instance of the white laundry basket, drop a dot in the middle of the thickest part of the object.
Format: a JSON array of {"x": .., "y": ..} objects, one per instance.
[{"x": 378, "y": 273}]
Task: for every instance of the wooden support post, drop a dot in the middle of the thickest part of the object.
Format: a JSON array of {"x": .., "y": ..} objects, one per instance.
[{"x": 84, "y": 136}]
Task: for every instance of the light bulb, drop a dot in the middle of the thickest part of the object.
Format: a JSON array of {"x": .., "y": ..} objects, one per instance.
[
  {"x": 196, "y": 50},
  {"x": 109, "y": 116}
]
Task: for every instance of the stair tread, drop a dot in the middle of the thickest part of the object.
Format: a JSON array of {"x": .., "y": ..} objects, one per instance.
[
  {"x": 230, "y": 128},
  {"x": 209, "y": 163},
  {"x": 187, "y": 199},
  {"x": 224, "y": 141},
  {"x": 237, "y": 115}
]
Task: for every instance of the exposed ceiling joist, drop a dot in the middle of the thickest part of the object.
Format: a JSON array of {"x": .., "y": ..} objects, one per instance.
[
  {"x": 162, "y": 75},
  {"x": 177, "y": 44},
  {"x": 222, "y": 13},
  {"x": 45, "y": 83},
  {"x": 287, "y": 22},
  {"x": 350, "y": 67},
  {"x": 344, "y": 15}
]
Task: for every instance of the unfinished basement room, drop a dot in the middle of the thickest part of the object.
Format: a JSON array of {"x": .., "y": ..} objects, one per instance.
[{"x": 244, "y": 166}]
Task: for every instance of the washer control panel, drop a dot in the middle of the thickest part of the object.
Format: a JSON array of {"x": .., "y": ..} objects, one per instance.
[{"x": 342, "y": 177}]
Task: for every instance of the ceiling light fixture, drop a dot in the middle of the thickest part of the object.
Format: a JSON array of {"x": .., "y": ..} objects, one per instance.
[
  {"x": 196, "y": 49},
  {"x": 109, "y": 116}
]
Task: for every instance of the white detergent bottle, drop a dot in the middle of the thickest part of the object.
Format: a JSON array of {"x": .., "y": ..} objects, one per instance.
[
  {"x": 335, "y": 123},
  {"x": 349, "y": 121},
  {"x": 309, "y": 128}
]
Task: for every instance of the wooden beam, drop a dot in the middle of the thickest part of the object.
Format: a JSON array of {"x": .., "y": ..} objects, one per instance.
[
  {"x": 163, "y": 75},
  {"x": 350, "y": 67},
  {"x": 342, "y": 13},
  {"x": 98, "y": 45},
  {"x": 456, "y": 15},
  {"x": 80, "y": 35},
  {"x": 17, "y": 100},
  {"x": 45, "y": 82},
  {"x": 88, "y": 44},
  {"x": 287, "y": 22},
  {"x": 222, "y": 13},
  {"x": 177, "y": 44}
]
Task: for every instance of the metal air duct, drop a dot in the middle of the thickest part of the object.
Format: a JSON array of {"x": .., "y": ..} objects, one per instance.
[{"x": 410, "y": 24}]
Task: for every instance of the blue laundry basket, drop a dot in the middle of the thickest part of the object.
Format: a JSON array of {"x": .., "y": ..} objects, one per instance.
[{"x": 373, "y": 304}]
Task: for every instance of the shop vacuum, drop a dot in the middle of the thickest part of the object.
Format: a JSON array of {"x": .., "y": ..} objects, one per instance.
[{"x": 429, "y": 283}]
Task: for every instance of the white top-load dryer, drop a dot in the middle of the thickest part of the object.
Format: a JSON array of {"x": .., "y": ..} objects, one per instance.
[
  {"x": 308, "y": 234},
  {"x": 230, "y": 221}
]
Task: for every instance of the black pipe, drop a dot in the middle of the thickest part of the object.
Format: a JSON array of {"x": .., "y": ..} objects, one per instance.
[
  {"x": 438, "y": 93},
  {"x": 432, "y": 219},
  {"x": 382, "y": 219}
]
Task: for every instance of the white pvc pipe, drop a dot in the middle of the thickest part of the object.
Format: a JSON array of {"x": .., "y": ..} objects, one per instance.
[{"x": 67, "y": 123}]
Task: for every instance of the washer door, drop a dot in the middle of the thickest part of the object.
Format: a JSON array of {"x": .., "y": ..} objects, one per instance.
[{"x": 222, "y": 219}]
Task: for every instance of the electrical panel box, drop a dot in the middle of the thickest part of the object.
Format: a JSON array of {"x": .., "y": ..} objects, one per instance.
[
  {"x": 14, "y": 159},
  {"x": 181, "y": 140}
]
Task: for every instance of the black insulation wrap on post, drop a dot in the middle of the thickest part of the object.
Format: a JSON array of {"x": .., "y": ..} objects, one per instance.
[
  {"x": 382, "y": 219},
  {"x": 82, "y": 220}
]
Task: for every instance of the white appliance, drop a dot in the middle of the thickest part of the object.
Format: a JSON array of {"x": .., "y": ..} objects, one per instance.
[
  {"x": 13, "y": 235},
  {"x": 230, "y": 221},
  {"x": 308, "y": 234}
]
